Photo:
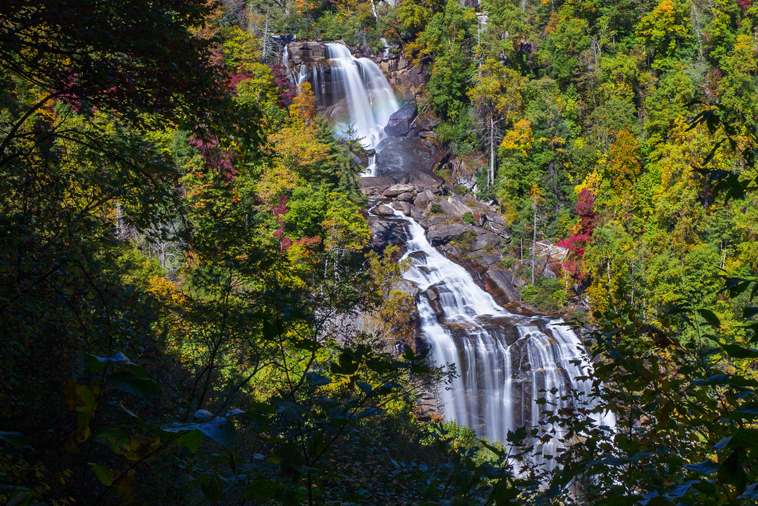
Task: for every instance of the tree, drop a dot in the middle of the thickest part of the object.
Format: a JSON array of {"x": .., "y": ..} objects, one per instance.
[
  {"x": 536, "y": 198},
  {"x": 497, "y": 97}
]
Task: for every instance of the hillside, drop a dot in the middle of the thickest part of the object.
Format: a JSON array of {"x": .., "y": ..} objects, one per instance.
[{"x": 382, "y": 252}]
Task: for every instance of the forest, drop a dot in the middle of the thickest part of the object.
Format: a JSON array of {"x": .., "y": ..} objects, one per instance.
[{"x": 193, "y": 309}]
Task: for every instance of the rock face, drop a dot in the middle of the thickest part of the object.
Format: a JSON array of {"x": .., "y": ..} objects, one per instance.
[
  {"x": 503, "y": 282},
  {"x": 400, "y": 122},
  {"x": 442, "y": 234},
  {"x": 485, "y": 241}
]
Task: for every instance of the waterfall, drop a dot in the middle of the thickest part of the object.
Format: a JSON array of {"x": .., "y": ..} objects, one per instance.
[
  {"x": 371, "y": 169},
  {"x": 369, "y": 96},
  {"x": 505, "y": 362}
]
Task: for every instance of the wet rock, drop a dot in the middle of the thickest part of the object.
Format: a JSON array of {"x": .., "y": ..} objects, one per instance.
[
  {"x": 443, "y": 233},
  {"x": 485, "y": 241},
  {"x": 398, "y": 189},
  {"x": 338, "y": 112},
  {"x": 382, "y": 210},
  {"x": 503, "y": 281},
  {"x": 400, "y": 122},
  {"x": 385, "y": 232},
  {"x": 407, "y": 196},
  {"x": 431, "y": 293}
]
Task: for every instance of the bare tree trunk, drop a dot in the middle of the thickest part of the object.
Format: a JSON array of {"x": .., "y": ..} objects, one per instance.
[
  {"x": 492, "y": 151},
  {"x": 534, "y": 236},
  {"x": 373, "y": 9}
]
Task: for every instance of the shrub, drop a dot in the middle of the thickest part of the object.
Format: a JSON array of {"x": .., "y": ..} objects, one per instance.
[
  {"x": 468, "y": 218},
  {"x": 461, "y": 189},
  {"x": 436, "y": 209},
  {"x": 507, "y": 262},
  {"x": 464, "y": 240},
  {"x": 546, "y": 294}
]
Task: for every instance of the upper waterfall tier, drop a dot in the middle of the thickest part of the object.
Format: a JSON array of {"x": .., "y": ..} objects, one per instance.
[
  {"x": 369, "y": 96},
  {"x": 505, "y": 362}
]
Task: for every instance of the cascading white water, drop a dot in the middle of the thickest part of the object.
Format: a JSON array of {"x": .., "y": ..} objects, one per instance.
[
  {"x": 501, "y": 374},
  {"x": 369, "y": 96},
  {"x": 371, "y": 169}
]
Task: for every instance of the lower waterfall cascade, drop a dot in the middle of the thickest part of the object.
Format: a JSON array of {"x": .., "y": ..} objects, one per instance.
[{"x": 499, "y": 376}]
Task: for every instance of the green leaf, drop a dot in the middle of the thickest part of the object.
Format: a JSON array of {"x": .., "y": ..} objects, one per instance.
[
  {"x": 103, "y": 474},
  {"x": 721, "y": 444},
  {"x": 706, "y": 467},
  {"x": 317, "y": 379},
  {"x": 737, "y": 351},
  {"x": 732, "y": 472},
  {"x": 15, "y": 439},
  {"x": 99, "y": 364},
  {"x": 190, "y": 440},
  {"x": 365, "y": 387},
  {"x": 128, "y": 382},
  {"x": 497, "y": 451},
  {"x": 710, "y": 317},
  {"x": 680, "y": 490},
  {"x": 219, "y": 429},
  {"x": 751, "y": 492}
]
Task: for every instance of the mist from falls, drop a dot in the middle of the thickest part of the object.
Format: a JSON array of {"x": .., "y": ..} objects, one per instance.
[{"x": 370, "y": 98}]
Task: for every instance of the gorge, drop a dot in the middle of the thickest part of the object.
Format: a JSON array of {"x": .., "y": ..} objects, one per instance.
[{"x": 511, "y": 369}]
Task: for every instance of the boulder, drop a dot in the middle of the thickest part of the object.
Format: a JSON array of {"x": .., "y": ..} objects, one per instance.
[
  {"x": 460, "y": 207},
  {"x": 485, "y": 241},
  {"x": 494, "y": 218},
  {"x": 423, "y": 199},
  {"x": 499, "y": 230},
  {"x": 444, "y": 233},
  {"x": 405, "y": 207},
  {"x": 407, "y": 287},
  {"x": 398, "y": 189},
  {"x": 382, "y": 210},
  {"x": 417, "y": 214},
  {"x": 448, "y": 208},
  {"x": 547, "y": 273},
  {"x": 386, "y": 232},
  {"x": 400, "y": 122},
  {"x": 407, "y": 196},
  {"x": 503, "y": 280},
  {"x": 376, "y": 182}
]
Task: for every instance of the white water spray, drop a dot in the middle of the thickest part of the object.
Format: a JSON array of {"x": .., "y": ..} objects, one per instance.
[{"x": 369, "y": 96}]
